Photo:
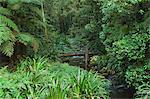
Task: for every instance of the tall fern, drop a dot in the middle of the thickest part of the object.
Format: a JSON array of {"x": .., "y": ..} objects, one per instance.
[{"x": 10, "y": 34}]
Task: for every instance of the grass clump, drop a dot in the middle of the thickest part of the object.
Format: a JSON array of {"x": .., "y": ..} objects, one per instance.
[{"x": 38, "y": 79}]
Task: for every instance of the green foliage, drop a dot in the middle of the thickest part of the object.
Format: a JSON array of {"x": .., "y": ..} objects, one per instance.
[
  {"x": 15, "y": 2},
  {"x": 36, "y": 78},
  {"x": 10, "y": 34},
  {"x": 139, "y": 78},
  {"x": 101, "y": 61},
  {"x": 28, "y": 39},
  {"x": 132, "y": 47},
  {"x": 126, "y": 37},
  {"x": 82, "y": 83},
  {"x": 125, "y": 30},
  {"x": 66, "y": 19},
  {"x": 5, "y": 11},
  {"x": 7, "y": 40},
  {"x": 138, "y": 75},
  {"x": 9, "y": 23},
  {"x": 118, "y": 29},
  {"x": 143, "y": 91}
]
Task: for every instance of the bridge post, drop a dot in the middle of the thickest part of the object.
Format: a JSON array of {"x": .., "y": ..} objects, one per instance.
[{"x": 86, "y": 58}]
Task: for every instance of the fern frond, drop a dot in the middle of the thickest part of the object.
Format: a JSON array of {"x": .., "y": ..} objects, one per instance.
[
  {"x": 5, "y": 34},
  {"x": 37, "y": 2},
  {"x": 28, "y": 39},
  {"x": 7, "y": 48},
  {"x": 8, "y": 22},
  {"x": 5, "y": 11},
  {"x": 37, "y": 11},
  {"x": 9, "y": 32},
  {"x": 24, "y": 1}
]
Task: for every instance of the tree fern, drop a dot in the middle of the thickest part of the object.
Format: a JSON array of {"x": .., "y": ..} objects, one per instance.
[
  {"x": 5, "y": 34},
  {"x": 7, "y": 48},
  {"x": 8, "y": 22},
  {"x": 9, "y": 34},
  {"x": 28, "y": 39}
]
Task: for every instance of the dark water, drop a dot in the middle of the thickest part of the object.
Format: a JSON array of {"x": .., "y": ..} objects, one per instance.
[
  {"x": 119, "y": 90},
  {"x": 122, "y": 94}
]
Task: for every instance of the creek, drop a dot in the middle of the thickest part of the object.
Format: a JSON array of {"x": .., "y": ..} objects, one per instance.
[{"x": 118, "y": 89}]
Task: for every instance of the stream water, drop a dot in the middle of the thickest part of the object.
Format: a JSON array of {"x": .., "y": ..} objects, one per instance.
[
  {"x": 119, "y": 90},
  {"x": 122, "y": 94}
]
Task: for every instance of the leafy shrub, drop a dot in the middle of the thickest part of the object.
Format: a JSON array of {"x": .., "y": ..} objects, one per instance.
[
  {"x": 126, "y": 37},
  {"x": 125, "y": 31},
  {"x": 139, "y": 78},
  {"x": 131, "y": 47},
  {"x": 100, "y": 60},
  {"x": 106, "y": 65},
  {"x": 143, "y": 91},
  {"x": 36, "y": 78}
]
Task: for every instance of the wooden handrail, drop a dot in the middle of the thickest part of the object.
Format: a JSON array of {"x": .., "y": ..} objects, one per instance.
[
  {"x": 77, "y": 54},
  {"x": 86, "y": 55}
]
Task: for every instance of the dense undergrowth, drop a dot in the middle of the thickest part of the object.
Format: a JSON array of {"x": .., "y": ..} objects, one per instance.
[
  {"x": 139, "y": 77},
  {"x": 38, "y": 79},
  {"x": 118, "y": 30}
]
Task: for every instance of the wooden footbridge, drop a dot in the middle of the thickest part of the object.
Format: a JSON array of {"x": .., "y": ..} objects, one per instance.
[{"x": 85, "y": 55}]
